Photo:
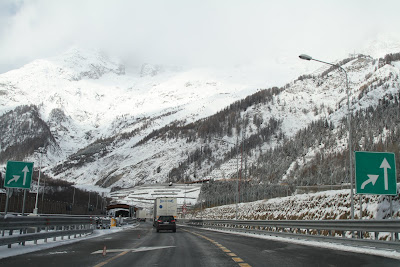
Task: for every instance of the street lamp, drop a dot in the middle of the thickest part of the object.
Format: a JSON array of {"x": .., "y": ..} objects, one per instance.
[
  {"x": 237, "y": 172},
  {"x": 307, "y": 57}
]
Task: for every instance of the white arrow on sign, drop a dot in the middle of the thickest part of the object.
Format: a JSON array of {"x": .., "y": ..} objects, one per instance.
[
  {"x": 372, "y": 179},
  {"x": 25, "y": 171},
  {"x": 385, "y": 165},
  {"x": 16, "y": 178}
]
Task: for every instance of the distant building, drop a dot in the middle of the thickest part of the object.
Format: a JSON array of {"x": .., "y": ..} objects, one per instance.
[{"x": 123, "y": 210}]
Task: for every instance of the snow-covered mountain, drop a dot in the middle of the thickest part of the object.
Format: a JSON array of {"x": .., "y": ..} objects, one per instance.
[
  {"x": 84, "y": 96},
  {"x": 105, "y": 124},
  {"x": 381, "y": 45}
]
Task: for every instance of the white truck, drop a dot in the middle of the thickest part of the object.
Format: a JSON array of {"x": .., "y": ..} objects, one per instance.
[
  {"x": 165, "y": 206},
  {"x": 141, "y": 215}
]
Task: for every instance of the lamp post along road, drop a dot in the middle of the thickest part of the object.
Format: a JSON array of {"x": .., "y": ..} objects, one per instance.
[{"x": 307, "y": 57}]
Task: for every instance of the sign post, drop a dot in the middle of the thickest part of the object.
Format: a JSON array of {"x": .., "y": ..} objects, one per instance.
[{"x": 375, "y": 173}]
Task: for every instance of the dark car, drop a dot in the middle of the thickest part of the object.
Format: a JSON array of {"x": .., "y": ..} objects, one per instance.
[{"x": 166, "y": 223}]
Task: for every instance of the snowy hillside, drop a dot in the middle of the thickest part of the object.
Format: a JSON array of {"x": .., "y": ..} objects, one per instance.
[
  {"x": 143, "y": 196},
  {"x": 328, "y": 205},
  {"x": 383, "y": 44},
  {"x": 84, "y": 96},
  {"x": 119, "y": 127},
  {"x": 299, "y": 104}
]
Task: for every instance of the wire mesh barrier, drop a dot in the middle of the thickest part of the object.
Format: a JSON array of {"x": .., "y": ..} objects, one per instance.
[
  {"x": 376, "y": 233},
  {"x": 47, "y": 206}
]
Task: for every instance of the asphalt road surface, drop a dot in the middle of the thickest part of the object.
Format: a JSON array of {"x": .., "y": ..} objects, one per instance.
[{"x": 143, "y": 246}]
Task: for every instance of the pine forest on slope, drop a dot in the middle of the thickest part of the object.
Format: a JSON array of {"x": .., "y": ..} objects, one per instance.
[{"x": 295, "y": 135}]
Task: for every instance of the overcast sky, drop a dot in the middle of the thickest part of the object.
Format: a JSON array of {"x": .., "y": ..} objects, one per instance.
[{"x": 193, "y": 32}]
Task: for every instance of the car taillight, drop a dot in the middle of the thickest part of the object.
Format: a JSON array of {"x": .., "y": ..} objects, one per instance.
[
  {"x": 172, "y": 220},
  {"x": 159, "y": 221}
]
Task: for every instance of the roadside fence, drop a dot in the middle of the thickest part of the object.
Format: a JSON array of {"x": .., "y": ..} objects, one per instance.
[{"x": 375, "y": 233}]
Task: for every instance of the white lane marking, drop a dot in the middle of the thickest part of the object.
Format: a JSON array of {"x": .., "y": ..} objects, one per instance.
[
  {"x": 110, "y": 251},
  {"x": 150, "y": 248},
  {"x": 131, "y": 250},
  {"x": 58, "y": 252}
]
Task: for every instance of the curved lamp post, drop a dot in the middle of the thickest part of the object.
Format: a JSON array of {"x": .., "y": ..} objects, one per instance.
[{"x": 307, "y": 57}]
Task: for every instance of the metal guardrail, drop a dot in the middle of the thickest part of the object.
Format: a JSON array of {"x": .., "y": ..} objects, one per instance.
[
  {"x": 33, "y": 228},
  {"x": 355, "y": 232}
]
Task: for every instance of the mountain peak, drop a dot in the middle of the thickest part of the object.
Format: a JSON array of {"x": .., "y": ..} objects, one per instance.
[
  {"x": 381, "y": 45},
  {"x": 150, "y": 70},
  {"x": 87, "y": 63}
]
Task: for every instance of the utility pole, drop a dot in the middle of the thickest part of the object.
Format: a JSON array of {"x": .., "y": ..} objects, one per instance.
[
  {"x": 35, "y": 211},
  {"x": 73, "y": 197},
  {"x": 89, "y": 202}
]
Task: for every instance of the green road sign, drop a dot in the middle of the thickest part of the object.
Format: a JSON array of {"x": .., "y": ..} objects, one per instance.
[
  {"x": 375, "y": 173},
  {"x": 18, "y": 174}
]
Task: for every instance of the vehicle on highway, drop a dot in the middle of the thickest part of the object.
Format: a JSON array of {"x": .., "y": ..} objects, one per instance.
[
  {"x": 141, "y": 215},
  {"x": 166, "y": 223},
  {"x": 165, "y": 206}
]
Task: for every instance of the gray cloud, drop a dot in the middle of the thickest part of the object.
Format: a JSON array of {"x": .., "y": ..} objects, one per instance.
[{"x": 203, "y": 33}]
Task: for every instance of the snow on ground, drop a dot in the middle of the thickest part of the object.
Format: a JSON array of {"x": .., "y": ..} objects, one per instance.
[
  {"x": 327, "y": 205},
  {"x": 143, "y": 196},
  {"x": 93, "y": 188}
]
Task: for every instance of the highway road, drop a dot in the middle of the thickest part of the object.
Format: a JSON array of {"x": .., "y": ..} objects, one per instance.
[{"x": 189, "y": 246}]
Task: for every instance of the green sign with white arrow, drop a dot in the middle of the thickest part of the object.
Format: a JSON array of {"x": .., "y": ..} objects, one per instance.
[
  {"x": 18, "y": 174},
  {"x": 375, "y": 173}
]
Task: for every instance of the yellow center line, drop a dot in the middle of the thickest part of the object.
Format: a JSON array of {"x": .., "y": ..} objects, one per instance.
[
  {"x": 224, "y": 249},
  {"x": 111, "y": 259},
  {"x": 237, "y": 259},
  {"x": 117, "y": 256}
]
